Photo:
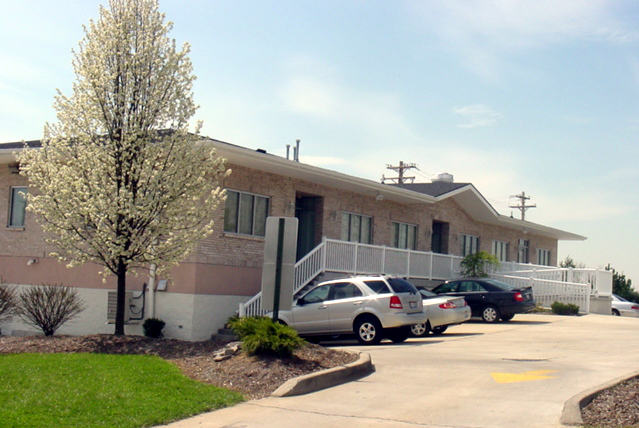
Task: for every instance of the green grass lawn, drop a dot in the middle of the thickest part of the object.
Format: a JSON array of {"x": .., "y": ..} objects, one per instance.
[{"x": 100, "y": 390}]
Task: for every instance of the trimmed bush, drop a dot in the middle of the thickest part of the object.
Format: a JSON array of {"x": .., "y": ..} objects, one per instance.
[
  {"x": 565, "y": 308},
  {"x": 263, "y": 336},
  {"x": 48, "y": 306},
  {"x": 153, "y": 327},
  {"x": 8, "y": 297}
]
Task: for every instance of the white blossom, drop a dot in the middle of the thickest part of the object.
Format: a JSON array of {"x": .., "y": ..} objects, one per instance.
[{"x": 120, "y": 181}]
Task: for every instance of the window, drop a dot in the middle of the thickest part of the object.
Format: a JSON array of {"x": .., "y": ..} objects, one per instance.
[
  {"x": 543, "y": 257},
  {"x": 522, "y": 253},
  {"x": 245, "y": 213},
  {"x": 316, "y": 295},
  {"x": 357, "y": 228},
  {"x": 404, "y": 236},
  {"x": 470, "y": 244},
  {"x": 470, "y": 287},
  {"x": 18, "y": 206},
  {"x": 377, "y": 286},
  {"x": 346, "y": 290},
  {"x": 500, "y": 250}
]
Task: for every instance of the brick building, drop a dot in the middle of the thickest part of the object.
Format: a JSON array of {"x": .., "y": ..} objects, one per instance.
[{"x": 225, "y": 270}]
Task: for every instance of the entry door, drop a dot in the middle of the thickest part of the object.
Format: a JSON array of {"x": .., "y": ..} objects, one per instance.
[{"x": 307, "y": 212}]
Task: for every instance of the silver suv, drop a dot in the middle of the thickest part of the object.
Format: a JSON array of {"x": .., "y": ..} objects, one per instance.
[{"x": 372, "y": 307}]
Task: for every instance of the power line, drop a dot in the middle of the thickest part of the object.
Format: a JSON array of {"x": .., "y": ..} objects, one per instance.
[
  {"x": 400, "y": 169},
  {"x": 522, "y": 204}
]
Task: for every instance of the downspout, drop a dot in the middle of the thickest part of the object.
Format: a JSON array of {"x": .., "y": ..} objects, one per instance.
[{"x": 152, "y": 270}]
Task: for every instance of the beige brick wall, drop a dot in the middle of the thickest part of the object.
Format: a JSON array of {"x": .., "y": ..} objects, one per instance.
[{"x": 243, "y": 254}]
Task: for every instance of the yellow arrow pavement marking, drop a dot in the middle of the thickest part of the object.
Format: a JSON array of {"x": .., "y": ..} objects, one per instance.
[{"x": 522, "y": 377}]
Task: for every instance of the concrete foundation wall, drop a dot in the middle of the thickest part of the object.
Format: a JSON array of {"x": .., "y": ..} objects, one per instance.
[{"x": 188, "y": 316}]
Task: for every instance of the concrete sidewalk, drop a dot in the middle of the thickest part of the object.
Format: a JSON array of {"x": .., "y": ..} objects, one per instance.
[{"x": 516, "y": 374}]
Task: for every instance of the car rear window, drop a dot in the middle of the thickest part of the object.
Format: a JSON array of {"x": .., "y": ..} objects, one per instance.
[
  {"x": 378, "y": 286},
  {"x": 400, "y": 285},
  {"x": 501, "y": 285}
]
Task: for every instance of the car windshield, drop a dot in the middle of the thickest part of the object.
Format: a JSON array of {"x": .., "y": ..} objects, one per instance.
[{"x": 400, "y": 285}]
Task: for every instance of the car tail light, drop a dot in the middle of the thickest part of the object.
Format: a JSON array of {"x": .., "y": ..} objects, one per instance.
[
  {"x": 395, "y": 303},
  {"x": 519, "y": 297},
  {"x": 448, "y": 305},
  {"x": 635, "y": 307}
]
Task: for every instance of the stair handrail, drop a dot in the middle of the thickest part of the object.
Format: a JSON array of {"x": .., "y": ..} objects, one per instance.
[{"x": 306, "y": 268}]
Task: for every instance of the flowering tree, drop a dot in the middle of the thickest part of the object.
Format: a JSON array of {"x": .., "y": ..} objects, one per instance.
[{"x": 119, "y": 179}]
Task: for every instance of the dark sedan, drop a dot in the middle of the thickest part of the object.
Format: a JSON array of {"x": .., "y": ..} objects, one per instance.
[{"x": 490, "y": 299}]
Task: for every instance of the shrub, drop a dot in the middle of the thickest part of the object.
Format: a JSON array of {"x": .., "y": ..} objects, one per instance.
[
  {"x": 153, "y": 327},
  {"x": 263, "y": 336},
  {"x": 478, "y": 264},
  {"x": 565, "y": 308},
  {"x": 48, "y": 306},
  {"x": 7, "y": 302}
]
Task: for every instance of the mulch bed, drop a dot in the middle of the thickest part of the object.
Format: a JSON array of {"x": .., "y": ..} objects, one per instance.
[{"x": 255, "y": 377}]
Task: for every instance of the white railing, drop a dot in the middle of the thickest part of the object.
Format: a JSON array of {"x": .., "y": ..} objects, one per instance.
[
  {"x": 307, "y": 268},
  {"x": 353, "y": 258},
  {"x": 599, "y": 280},
  {"x": 546, "y": 292}
]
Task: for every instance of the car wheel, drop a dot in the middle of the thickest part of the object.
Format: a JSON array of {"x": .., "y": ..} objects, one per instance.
[
  {"x": 507, "y": 317},
  {"x": 439, "y": 330},
  {"x": 368, "y": 331},
  {"x": 616, "y": 313},
  {"x": 490, "y": 314},
  {"x": 419, "y": 330},
  {"x": 398, "y": 335}
]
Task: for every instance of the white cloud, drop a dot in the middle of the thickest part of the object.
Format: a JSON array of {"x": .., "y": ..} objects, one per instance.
[
  {"x": 478, "y": 115},
  {"x": 485, "y": 33},
  {"x": 321, "y": 96}
]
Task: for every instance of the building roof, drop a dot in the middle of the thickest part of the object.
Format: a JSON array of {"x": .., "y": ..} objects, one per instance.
[
  {"x": 464, "y": 194},
  {"x": 435, "y": 189}
]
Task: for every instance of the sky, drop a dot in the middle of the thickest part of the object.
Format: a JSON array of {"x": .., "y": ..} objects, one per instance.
[{"x": 513, "y": 96}]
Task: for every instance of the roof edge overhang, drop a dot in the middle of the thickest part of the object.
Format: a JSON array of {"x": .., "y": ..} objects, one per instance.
[
  {"x": 468, "y": 197},
  {"x": 281, "y": 166}
]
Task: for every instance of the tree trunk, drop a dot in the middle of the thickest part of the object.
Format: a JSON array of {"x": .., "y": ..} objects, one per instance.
[{"x": 121, "y": 299}]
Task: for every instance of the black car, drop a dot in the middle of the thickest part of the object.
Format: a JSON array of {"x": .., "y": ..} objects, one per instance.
[{"x": 489, "y": 298}]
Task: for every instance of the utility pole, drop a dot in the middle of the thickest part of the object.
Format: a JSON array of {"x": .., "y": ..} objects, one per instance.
[
  {"x": 400, "y": 179},
  {"x": 522, "y": 204}
]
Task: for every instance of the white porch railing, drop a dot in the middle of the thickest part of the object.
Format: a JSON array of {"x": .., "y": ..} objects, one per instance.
[
  {"x": 546, "y": 292},
  {"x": 599, "y": 280},
  {"x": 354, "y": 258}
]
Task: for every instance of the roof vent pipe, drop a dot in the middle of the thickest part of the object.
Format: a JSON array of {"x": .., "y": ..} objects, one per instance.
[
  {"x": 288, "y": 151},
  {"x": 296, "y": 151}
]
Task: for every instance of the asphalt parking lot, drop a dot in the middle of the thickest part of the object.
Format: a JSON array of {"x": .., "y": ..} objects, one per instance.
[{"x": 516, "y": 374}]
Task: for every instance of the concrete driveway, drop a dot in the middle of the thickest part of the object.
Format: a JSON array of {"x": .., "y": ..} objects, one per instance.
[{"x": 516, "y": 374}]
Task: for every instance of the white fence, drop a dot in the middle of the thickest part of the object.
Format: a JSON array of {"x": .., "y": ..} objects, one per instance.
[
  {"x": 546, "y": 292},
  {"x": 598, "y": 280},
  {"x": 355, "y": 258}
]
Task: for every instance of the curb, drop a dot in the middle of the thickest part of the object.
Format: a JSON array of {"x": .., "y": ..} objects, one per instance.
[
  {"x": 571, "y": 415},
  {"x": 326, "y": 378}
]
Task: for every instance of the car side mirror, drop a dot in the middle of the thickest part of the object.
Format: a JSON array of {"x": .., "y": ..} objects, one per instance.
[{"x": 300, "y": 302}]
